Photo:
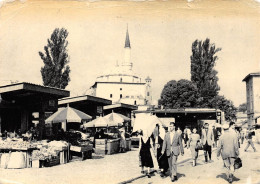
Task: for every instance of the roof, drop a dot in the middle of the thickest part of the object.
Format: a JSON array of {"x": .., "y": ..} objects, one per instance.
[
  {"x": 84, "y": 98},
  {"x": 26, "y": 89},
  {"x": 127, "y": 40},
  {"x": 138, "y": 83},
  {"x": 120, "y": 105},
  {"x": 184, "y": 110},
  {"x": 251, "y": 75}
]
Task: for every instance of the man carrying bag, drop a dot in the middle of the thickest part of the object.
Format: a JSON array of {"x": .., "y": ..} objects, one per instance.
[{"x": 229, "y": 150}]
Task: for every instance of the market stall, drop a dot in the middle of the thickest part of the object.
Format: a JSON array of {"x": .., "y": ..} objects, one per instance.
[
  {"x": 49, "y": 154},
  {"x": 106, "y": 140},
  {"x": 78, "y": 142},
  {"x": 18, "y": 154},
  {"x": 15, "y": 149}
]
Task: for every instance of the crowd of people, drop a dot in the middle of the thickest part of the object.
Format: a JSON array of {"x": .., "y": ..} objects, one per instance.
[{"x": 162, "y": 153}]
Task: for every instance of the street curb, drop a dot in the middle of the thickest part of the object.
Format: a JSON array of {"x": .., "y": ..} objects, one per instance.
[{"x": 142, "y": 176}]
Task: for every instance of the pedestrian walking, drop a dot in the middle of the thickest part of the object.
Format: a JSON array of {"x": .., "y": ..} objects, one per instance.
[
  {"x": 122, "y": 145},
  {"x": 172, "y": 144},
  {"x": 249, "y": 137},
  {"x": 145, "y": 157},
  {"x": 215, "y": 133},
  {"x": 185, "y": 136},
  {"x": 232, "y": 128},
  {"x": 229, "y": 150},
  {"x": 242, "y": 136},
  {"x": 207, "y": 138},
  {"x": 194, "y": 139},
  {"x": 161, "y": 159},
  {"x": 179, "y": 131}
]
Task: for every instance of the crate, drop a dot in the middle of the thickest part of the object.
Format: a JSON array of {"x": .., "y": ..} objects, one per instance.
[
  {"x": 52, "y": 162},
  {"x": 100, "y": 151},
  {"x": 101, "y": 141},
  {"x": 37, "y": 163},
  {"x": 128, "y": 144}
]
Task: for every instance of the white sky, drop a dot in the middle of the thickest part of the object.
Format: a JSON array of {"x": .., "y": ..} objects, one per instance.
[{"x": 161, "y": 34}]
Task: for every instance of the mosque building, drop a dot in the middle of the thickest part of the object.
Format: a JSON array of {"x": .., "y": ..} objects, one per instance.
[{"x": 121, "y": 84}]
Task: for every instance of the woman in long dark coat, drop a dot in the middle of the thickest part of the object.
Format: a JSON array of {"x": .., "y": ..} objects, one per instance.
[
  {"x": 162, "y": 159},
  {"x": 145, "y": 154}
]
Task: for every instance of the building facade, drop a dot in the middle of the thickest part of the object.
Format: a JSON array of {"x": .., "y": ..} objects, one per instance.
[
  {"x": 252, "y": 96},
  {"x": 121, "y": 84}
]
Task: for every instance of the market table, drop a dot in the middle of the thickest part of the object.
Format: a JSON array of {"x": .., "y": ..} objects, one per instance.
[
  {"x": 86, "y": 151},
  {"x": 112, "y": 146}
]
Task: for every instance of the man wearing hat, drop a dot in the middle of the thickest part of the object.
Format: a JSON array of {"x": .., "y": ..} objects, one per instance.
[
  {"x": 172, "y": 144},
  {"x": 229, "y": 150}
]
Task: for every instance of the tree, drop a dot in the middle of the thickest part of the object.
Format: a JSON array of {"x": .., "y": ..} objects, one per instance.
[
  {"x": 226, "y": 106},
  {"x": 203, "y": 74},
  {"x": 55, "y": 72},
  {"x": 177, "y": 94},
  {"x": 242, "y": 107}
]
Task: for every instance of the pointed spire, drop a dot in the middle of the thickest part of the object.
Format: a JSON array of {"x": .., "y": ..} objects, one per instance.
[{"x": 127, "y": 40}]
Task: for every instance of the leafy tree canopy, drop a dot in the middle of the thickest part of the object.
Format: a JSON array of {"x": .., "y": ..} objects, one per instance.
[
  {"x": 55, "y": 72},
  {"x": 176, "y": 94},
  {"x": 203, "y": 74}
]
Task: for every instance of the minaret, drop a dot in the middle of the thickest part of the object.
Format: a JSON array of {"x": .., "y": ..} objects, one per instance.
[
  {"x": 127, "y": 64},
  {"x": 148, "y": 91}
]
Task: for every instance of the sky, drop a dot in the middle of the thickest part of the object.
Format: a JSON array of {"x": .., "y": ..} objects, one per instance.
[{"x": 161, "y": 34}]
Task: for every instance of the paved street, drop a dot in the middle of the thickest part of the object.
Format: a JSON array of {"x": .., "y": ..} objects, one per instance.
[
  {"x": 213, "y": 172},
  {"x": 123, "y": 168}
]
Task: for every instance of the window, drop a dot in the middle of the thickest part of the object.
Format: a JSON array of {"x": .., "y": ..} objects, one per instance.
[
  {"x": 121, "y": 80},
  {"x": 120, "y": 95},
  {"x": 148, "y": 93},
  {"x": 135, "y": 102},
  {"x": 120, "y": 89},
  {"x": 111, "y": 95}
]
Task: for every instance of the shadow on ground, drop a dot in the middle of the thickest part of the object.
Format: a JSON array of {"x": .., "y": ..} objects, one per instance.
[{"x": 224, "y": 176}]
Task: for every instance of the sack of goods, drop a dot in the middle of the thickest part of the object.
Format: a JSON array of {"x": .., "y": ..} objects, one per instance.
[
  {"x": 238, "y": 163},
  {"x": 4, "y": 160},
  {"x": 16, "y": 161}
]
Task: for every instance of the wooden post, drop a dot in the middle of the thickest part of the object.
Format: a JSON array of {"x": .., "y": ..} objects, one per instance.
[
  {"x": 0, "y": 124},
  {"x": 42, "y": 118},
  {"x": 24, "y": 120}
]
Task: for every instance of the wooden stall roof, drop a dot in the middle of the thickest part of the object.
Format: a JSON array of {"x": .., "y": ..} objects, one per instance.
[
  {"x": 120, "y": 105},
  {"x": 81, "y": 99},
  {"x": 24, "y": 89},
  {"x": 181, "y": 110}
]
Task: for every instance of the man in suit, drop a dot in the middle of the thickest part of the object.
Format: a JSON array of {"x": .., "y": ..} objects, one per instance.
[
  {"x": 207, "y": 138},
  {"x": 229, "y": 149},
  {"x": 172, "y": 144}
]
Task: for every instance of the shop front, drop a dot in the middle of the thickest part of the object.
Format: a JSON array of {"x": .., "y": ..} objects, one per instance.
[{"x": 18, "y": 102}]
